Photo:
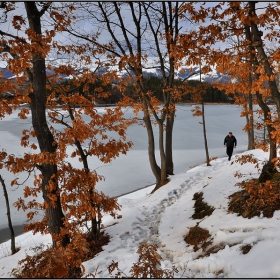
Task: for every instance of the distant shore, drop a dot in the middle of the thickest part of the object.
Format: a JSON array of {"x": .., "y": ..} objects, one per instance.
[{"x": 179, "y": 103}]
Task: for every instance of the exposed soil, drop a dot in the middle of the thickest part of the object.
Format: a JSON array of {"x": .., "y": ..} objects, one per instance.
[
  {"x": 201, "y": 208},
  {"x": 159, "y": 185},
  {"x": 246, "y": 249},
  {"x": 198, "y": 237},
  {"x": 95, "y": 246}
]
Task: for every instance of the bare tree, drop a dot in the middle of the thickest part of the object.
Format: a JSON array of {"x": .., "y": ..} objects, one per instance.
[{"x": 152, "y": 31}]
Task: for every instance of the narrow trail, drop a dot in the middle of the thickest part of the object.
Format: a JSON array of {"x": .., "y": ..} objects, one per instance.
[{"x": 147, "y": 229}]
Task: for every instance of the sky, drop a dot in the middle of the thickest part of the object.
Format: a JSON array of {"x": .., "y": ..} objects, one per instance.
[
  {"x": 164, "y": 218},
  {"x": 86, "y": 24}
]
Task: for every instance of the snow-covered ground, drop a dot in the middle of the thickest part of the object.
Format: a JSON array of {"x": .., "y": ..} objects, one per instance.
[{"x": 164, "y": 218}]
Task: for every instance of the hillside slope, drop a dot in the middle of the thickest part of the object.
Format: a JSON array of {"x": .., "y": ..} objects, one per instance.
[{"x": 235, "y": 247}]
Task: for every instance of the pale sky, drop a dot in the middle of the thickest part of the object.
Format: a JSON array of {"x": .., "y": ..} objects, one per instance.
[{"x": 86, "y": 25}]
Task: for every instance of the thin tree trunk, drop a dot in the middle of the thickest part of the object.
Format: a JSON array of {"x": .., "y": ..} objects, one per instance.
[
  {"x": 95, "y": 223},
  {"x": 247, "y": 123},
  {"x": 13, "y": 242},
  {"x": 250, "y": 116},
  {"x": 205, "y": 137},
  {"x": 250, "y": 122},
  {"x": 151, "y": 147},
  {"x": 163, "y": 175},
  {"x": 251, "y": 134}
]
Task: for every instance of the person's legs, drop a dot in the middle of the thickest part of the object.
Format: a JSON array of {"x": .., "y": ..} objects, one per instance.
[{"x": 229, "y": 152}]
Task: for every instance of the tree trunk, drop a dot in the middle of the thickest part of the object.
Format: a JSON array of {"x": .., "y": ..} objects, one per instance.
[
  {"x": 248, "y": 108},
  {"x": 151, "y": 147},
  {"x": 205, "y": 137},
  {"x": 250, "y": 114},
  {"x": 168, "y": 144},
  {"x": 250, "y": 120},
  {"x": 272, "y": 143},
  {"x": 258, "y": 45},
  {"x": 163, "y": 175},
  {"x": 95, "y": 223},
  {"x": 37, "y": 76},
  {"x": 13, "y": 242},
  {"x": 270, "y": 128}
]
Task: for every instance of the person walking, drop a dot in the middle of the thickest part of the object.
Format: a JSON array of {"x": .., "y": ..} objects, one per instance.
[{"x": 230, "y": 142}]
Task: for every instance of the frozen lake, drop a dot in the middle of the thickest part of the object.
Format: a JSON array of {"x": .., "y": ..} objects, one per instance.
[{"x": 132, "y": 171}]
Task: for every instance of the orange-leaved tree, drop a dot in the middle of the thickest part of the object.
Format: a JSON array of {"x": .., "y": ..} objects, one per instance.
[
  {"x": 210, "y": 46},
  {"x": 250, "y": 62},
  {"x": 81, "y": 201},
  {"x": 70, "y": 197},
  {"x": 26, "y": 54},
  {"x": 258, "y": 67}
]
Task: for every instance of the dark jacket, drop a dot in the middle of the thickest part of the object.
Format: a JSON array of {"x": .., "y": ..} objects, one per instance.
[{"x": 230, "y": 141}]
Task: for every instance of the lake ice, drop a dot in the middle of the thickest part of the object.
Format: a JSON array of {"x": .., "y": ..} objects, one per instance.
[{"x": 130, "y": 172}]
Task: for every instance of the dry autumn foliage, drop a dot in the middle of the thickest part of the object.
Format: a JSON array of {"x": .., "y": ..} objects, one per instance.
[{"x": 148, "y": 265}]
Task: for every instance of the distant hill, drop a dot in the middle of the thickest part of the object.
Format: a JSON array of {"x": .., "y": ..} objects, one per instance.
[{"x": 209, "y": 78}]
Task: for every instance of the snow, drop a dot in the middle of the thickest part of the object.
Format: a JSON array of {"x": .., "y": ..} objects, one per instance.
[{"x": 164, "y": 218}]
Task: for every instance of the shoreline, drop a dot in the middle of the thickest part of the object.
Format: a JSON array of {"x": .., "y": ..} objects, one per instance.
[{"x": 5, "y": 232}]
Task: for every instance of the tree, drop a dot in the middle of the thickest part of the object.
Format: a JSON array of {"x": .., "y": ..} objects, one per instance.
[
  {"x": 260, "y": 59},
  {"x": 247, "y": 99},
  {"x": 204, "y": 39},
  {"x": 198, "y": 95},
  {"x": 28, "y": 54},
  {"x": 80, "y": 198},
  {"x": 70, "y": 197}
]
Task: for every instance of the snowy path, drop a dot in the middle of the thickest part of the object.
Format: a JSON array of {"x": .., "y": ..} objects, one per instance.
[{"x": 146, "y": 224}]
